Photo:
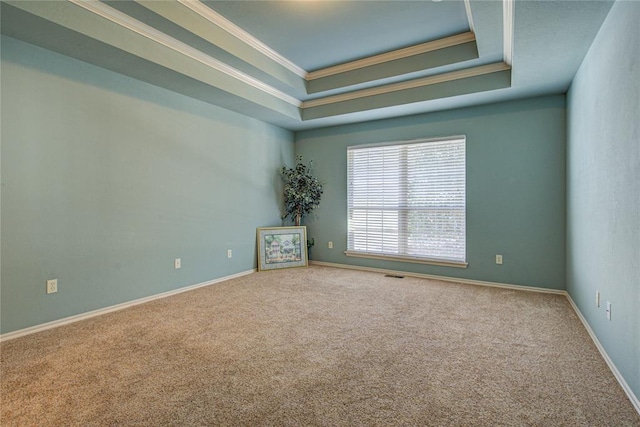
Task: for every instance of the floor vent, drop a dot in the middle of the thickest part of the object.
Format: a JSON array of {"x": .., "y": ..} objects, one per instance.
[{"x": 394, "y": 276}]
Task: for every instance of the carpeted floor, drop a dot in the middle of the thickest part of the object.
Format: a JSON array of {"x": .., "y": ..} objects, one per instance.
[{"x": 318, "y": 346}]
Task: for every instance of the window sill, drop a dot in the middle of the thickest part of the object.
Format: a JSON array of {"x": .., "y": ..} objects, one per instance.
[{"x": 456, "y": 264}]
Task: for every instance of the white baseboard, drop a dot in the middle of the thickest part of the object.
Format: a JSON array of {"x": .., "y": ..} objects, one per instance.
[
  {"x": 56, "y": 323},
  {"x": 442, "y": 278},
  {"x": 632, "y": 397},
  {"x": 100, "y": 311}
]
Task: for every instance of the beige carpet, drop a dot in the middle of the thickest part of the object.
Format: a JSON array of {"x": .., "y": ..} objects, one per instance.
[{"x": 318, "y": 346}]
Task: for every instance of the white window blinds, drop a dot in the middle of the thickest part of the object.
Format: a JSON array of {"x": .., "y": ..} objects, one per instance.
[{"x": 407, "y": 200}]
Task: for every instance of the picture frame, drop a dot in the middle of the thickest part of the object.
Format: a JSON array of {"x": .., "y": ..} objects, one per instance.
[{"x": 282, "y": 247}]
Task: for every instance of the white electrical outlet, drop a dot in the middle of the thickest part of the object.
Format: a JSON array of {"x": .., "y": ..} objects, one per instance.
[
  {"x": 229, "y": 253},
  {"x": 608, "y": 310},
  {"x": 597, "y": 298},
  {"x": 52, "y": 286},
  {"x": 177, "y": 263},
  {"x": 330, "y": 245},
  {"x": 498, "y": 259}
]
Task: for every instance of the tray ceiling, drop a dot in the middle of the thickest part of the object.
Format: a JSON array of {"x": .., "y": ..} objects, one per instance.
[
  {"x": 333, "y": 32},
  {"x": 306, "y": 64}
]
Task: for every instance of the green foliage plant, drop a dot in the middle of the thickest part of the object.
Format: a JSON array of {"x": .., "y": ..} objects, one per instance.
[{"x": 302, "y": 191}]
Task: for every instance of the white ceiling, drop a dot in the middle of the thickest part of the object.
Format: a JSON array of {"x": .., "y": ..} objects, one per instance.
[{"x": 306, "y": 64}]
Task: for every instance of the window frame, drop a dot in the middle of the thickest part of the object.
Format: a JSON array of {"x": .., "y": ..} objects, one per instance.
[{"x": 406, "y": 257}]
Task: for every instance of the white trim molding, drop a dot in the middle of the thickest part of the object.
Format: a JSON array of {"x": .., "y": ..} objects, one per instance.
[
  {"x": 467, "y": 8},
  {"x": 393, "y": 55},
  {"x": 508, "y": 28},
  {"x": 215, "y": 18},
  {"x": 94, "y": 313},
  {"x": 632, "y": 397},
  {"x": 442, "y": 278},
  {"x": 125, "y": 21}
]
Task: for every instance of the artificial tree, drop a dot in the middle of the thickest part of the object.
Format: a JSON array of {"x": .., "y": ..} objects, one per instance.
[{"x": 302, "y": 191}]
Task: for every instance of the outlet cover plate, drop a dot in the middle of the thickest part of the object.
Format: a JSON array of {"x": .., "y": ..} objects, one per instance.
[{"x": 52, "y": 286}]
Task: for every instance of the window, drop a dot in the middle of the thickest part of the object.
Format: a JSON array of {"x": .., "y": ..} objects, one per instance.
[{"x": 407, "y": 201}]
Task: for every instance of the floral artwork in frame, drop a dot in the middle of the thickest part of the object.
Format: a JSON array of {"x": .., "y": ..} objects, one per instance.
[{"x": 282, "y": 247}]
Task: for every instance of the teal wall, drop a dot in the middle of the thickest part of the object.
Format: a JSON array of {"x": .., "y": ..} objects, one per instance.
[
  {"x": 105, "y": 180},
  {"x": 603, "y": 188},
  {"x": 515, "y": 188}
]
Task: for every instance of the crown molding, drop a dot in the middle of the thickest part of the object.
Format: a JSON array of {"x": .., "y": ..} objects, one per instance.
[
  {"x": 115, "y": 16},
  {"x": 467, "y": 8},
  {"x": 215, "y": 18},
  {"x": 393, "y": 55},
  {"x": 411, "y": 84},
  {"x": 125, "y": 21},
  {"x": 507, "y": 26}
]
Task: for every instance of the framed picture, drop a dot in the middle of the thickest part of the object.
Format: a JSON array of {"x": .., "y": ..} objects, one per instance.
[{"x": 282, "y": 247}]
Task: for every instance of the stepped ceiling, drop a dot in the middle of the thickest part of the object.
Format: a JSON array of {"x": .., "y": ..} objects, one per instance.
[{"x": 306, "y": 64}]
